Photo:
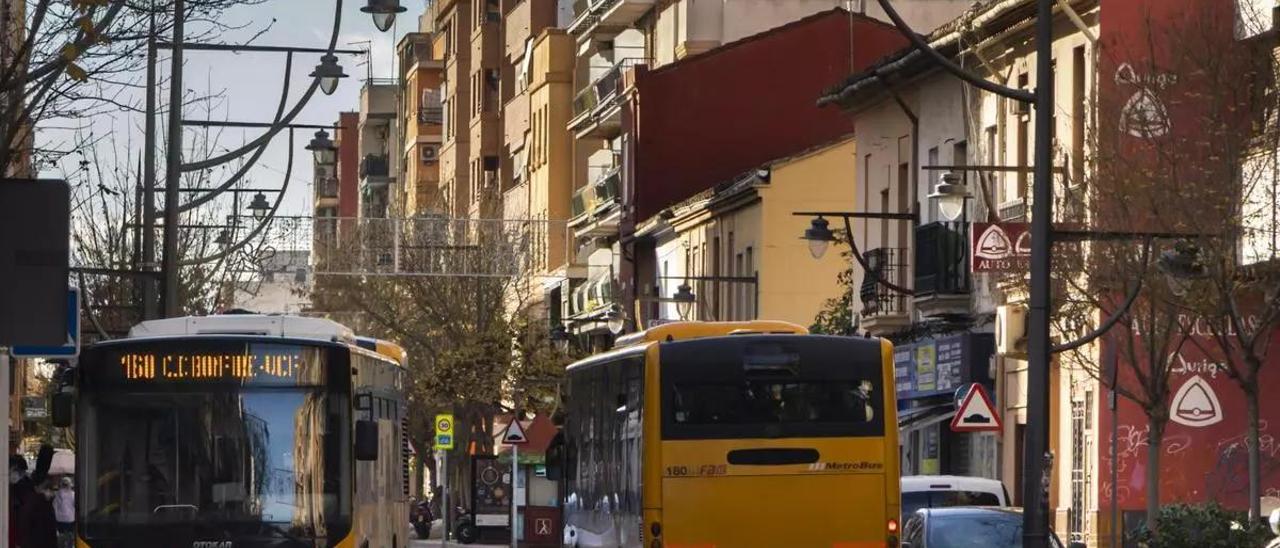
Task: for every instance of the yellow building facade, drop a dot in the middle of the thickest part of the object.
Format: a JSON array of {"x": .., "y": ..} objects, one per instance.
[{"x": 739, "y": 249}]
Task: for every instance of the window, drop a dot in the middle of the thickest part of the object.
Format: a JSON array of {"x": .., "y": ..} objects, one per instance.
[
  {"x": 1023, "y": 119},
  {"x": 791, "y": 387},
  {"x": 1078, "y": 87},
  {"x": 753, "y": 290}
]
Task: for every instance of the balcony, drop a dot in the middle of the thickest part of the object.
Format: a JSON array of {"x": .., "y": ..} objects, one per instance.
[
  {"x": 942, "y": 281},
  {"x": 431, "y": 115},
  {"x": 884, "y": 310},
  {"x": 326, "y": 193},
  {"x": 604, "y": 19},
  {"x": 593, "y": 208},
  {"x": 597, "y": 108},
  {"x": 375, "y": 166},
  {"x": 584, "y": 201}
]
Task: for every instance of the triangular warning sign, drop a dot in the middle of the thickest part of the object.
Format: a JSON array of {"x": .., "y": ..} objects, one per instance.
[
  {"x": 514, "y": 434},
  {"x": 976, "y": 414}
]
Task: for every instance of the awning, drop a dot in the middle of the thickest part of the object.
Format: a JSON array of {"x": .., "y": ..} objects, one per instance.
[{"x": 920, "y": 417}]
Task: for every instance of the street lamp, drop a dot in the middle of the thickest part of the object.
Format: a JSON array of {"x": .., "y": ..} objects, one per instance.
[
  {"x": 950, "y": 194},
  {"x": 383, "y": 12},
  {"x": 819, "y": 237},
  {"x": 684, "y": 299},
  {"x": 323, "y": 148},
  {"x": 329, "y": 72},
  {"x": 1181, "y": 266},
  {"x": 560, "y": 337},
  {"x": 259, "y": 206},
  {"x": 615, "y": 320}
]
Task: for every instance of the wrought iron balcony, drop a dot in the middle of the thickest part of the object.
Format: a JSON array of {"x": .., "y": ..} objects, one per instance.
[
  {"x": 884, "y": 310},
  {"x": 942, "y": 254}
]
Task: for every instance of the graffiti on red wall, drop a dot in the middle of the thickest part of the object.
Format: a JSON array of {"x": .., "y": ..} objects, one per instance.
[{"x": 1203, "y": 456}]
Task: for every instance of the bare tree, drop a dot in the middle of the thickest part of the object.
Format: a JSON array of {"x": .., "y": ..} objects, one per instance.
[
  {"x": 64, "y": 62},
  {"x": 1194, "y": 155}
]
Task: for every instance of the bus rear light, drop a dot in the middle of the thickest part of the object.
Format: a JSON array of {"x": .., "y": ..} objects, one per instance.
[{"x": 893, "y": 526}]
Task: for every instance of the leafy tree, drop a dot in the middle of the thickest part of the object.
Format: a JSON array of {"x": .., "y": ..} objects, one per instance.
[{"x": 1202, "y": 526}]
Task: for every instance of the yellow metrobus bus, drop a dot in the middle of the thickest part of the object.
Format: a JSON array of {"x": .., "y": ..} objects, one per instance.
[
  {"x": 239, "y": 431},
  {"x": 726, "y": 435}
]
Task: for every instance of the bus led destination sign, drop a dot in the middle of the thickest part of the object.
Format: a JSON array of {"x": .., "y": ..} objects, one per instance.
[{"x": 244, "y": 366}]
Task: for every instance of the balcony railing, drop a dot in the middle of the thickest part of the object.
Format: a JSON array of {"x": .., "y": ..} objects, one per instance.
[
  {"x": 608, "y": 186},
  {"x": 885, "y": 264},
  {"x": 431, "y": 115},
  {"x": 327, "y": 188},
  {"x": 584, "y": 201},
  {"x": 942, "y": 254},
  {"x": 604, "y": 91},
  {"x": 374, "y": 165}
]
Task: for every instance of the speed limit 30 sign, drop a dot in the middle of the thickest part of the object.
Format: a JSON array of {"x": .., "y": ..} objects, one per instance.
[{"x": 444, "y": 431}]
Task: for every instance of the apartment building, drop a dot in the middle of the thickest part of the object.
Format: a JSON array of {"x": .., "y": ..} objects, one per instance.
[
  {"x": 453, "y": 28},
  {"x": 378, "y": 136},
  {"x": 422, "y": 124}
]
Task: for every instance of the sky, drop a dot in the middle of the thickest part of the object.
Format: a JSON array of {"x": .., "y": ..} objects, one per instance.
[{"x": 251, "y": 82}]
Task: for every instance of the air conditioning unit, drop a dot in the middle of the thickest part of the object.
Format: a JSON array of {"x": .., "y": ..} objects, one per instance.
[
  {"x": 430, "y": 154},
  {"x": 1011, "y": 330}
]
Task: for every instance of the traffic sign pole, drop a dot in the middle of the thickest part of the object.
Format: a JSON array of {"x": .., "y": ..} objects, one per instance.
[
  {"x": 515, "y": 486},
  {"x": 444, "y": 504}
]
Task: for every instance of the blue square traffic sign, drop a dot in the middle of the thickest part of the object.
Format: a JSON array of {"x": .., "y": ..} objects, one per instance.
[{"x": 71, "y": 348}]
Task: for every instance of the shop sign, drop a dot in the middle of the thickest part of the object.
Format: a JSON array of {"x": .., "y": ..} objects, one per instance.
[
  {"x": 1001, "y": 247},
  {"x": 933, "y": 366}
]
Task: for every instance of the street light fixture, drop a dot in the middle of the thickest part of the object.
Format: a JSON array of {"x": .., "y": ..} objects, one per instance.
[
  {"x": 950, "y": 194},
  {"x": 819, "y": 236},
  {"x": 684, "y": 299},
  {"x": 259, "y": 206},
  {"x": 383, "y": 12},
  {"x": 1181, "y": 266},
  {"x": 323, "y": 148},
  {"x": 616, "y": 320},
  {"x": 560, "y": 337},
  {"x": 329, "y": 72}
]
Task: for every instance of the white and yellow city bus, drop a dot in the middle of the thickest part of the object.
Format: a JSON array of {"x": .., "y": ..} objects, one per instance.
[
  {"x": 240, "y": 431},
  {"x": 729, "y": 435}
]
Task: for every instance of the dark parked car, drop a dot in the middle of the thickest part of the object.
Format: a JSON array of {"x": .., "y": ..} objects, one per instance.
[{"x": 968, "y": 527}]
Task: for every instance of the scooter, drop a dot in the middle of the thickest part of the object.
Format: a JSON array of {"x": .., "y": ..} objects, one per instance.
[
  {"x": 421, "y": 518},
  {"x": 464, "y": 528}
]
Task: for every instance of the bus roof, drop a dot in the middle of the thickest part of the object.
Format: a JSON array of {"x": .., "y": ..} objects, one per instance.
[
  {"x": 383, "y": 347},
  {"x": 284, "y": 326},
  {"x": 696, "y": 330}
]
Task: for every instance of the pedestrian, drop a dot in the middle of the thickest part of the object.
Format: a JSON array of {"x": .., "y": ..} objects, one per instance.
[
  {"x": 31, "y": 519},
  {"x": 64, "y": 511}
]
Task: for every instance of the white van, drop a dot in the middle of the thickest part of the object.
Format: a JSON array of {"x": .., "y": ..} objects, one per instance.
[{"x": 943, "y": 491}]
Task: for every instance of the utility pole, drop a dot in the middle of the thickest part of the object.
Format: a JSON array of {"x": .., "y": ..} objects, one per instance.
[
  {"x": 1035, "y": 492},
  {"x": 150, "y": 310},
  {"x": 173, "y": 166}
]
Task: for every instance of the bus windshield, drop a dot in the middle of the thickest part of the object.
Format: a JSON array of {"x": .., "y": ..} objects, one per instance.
[
  {"x": 239, "y": 436},
  {"x": 785, "y": 386}
]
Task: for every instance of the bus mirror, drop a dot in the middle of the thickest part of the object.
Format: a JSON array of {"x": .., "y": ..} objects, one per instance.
[
  {"x": 63, "y": 411},
  {"x": 366, "y": 440}
]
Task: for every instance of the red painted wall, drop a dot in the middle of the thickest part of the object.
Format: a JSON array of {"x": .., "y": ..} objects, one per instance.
[
  {"x": 348, "y": 140},
  {"x": 709, "y": 118},
  {"x": 1153, "y": 111}
]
